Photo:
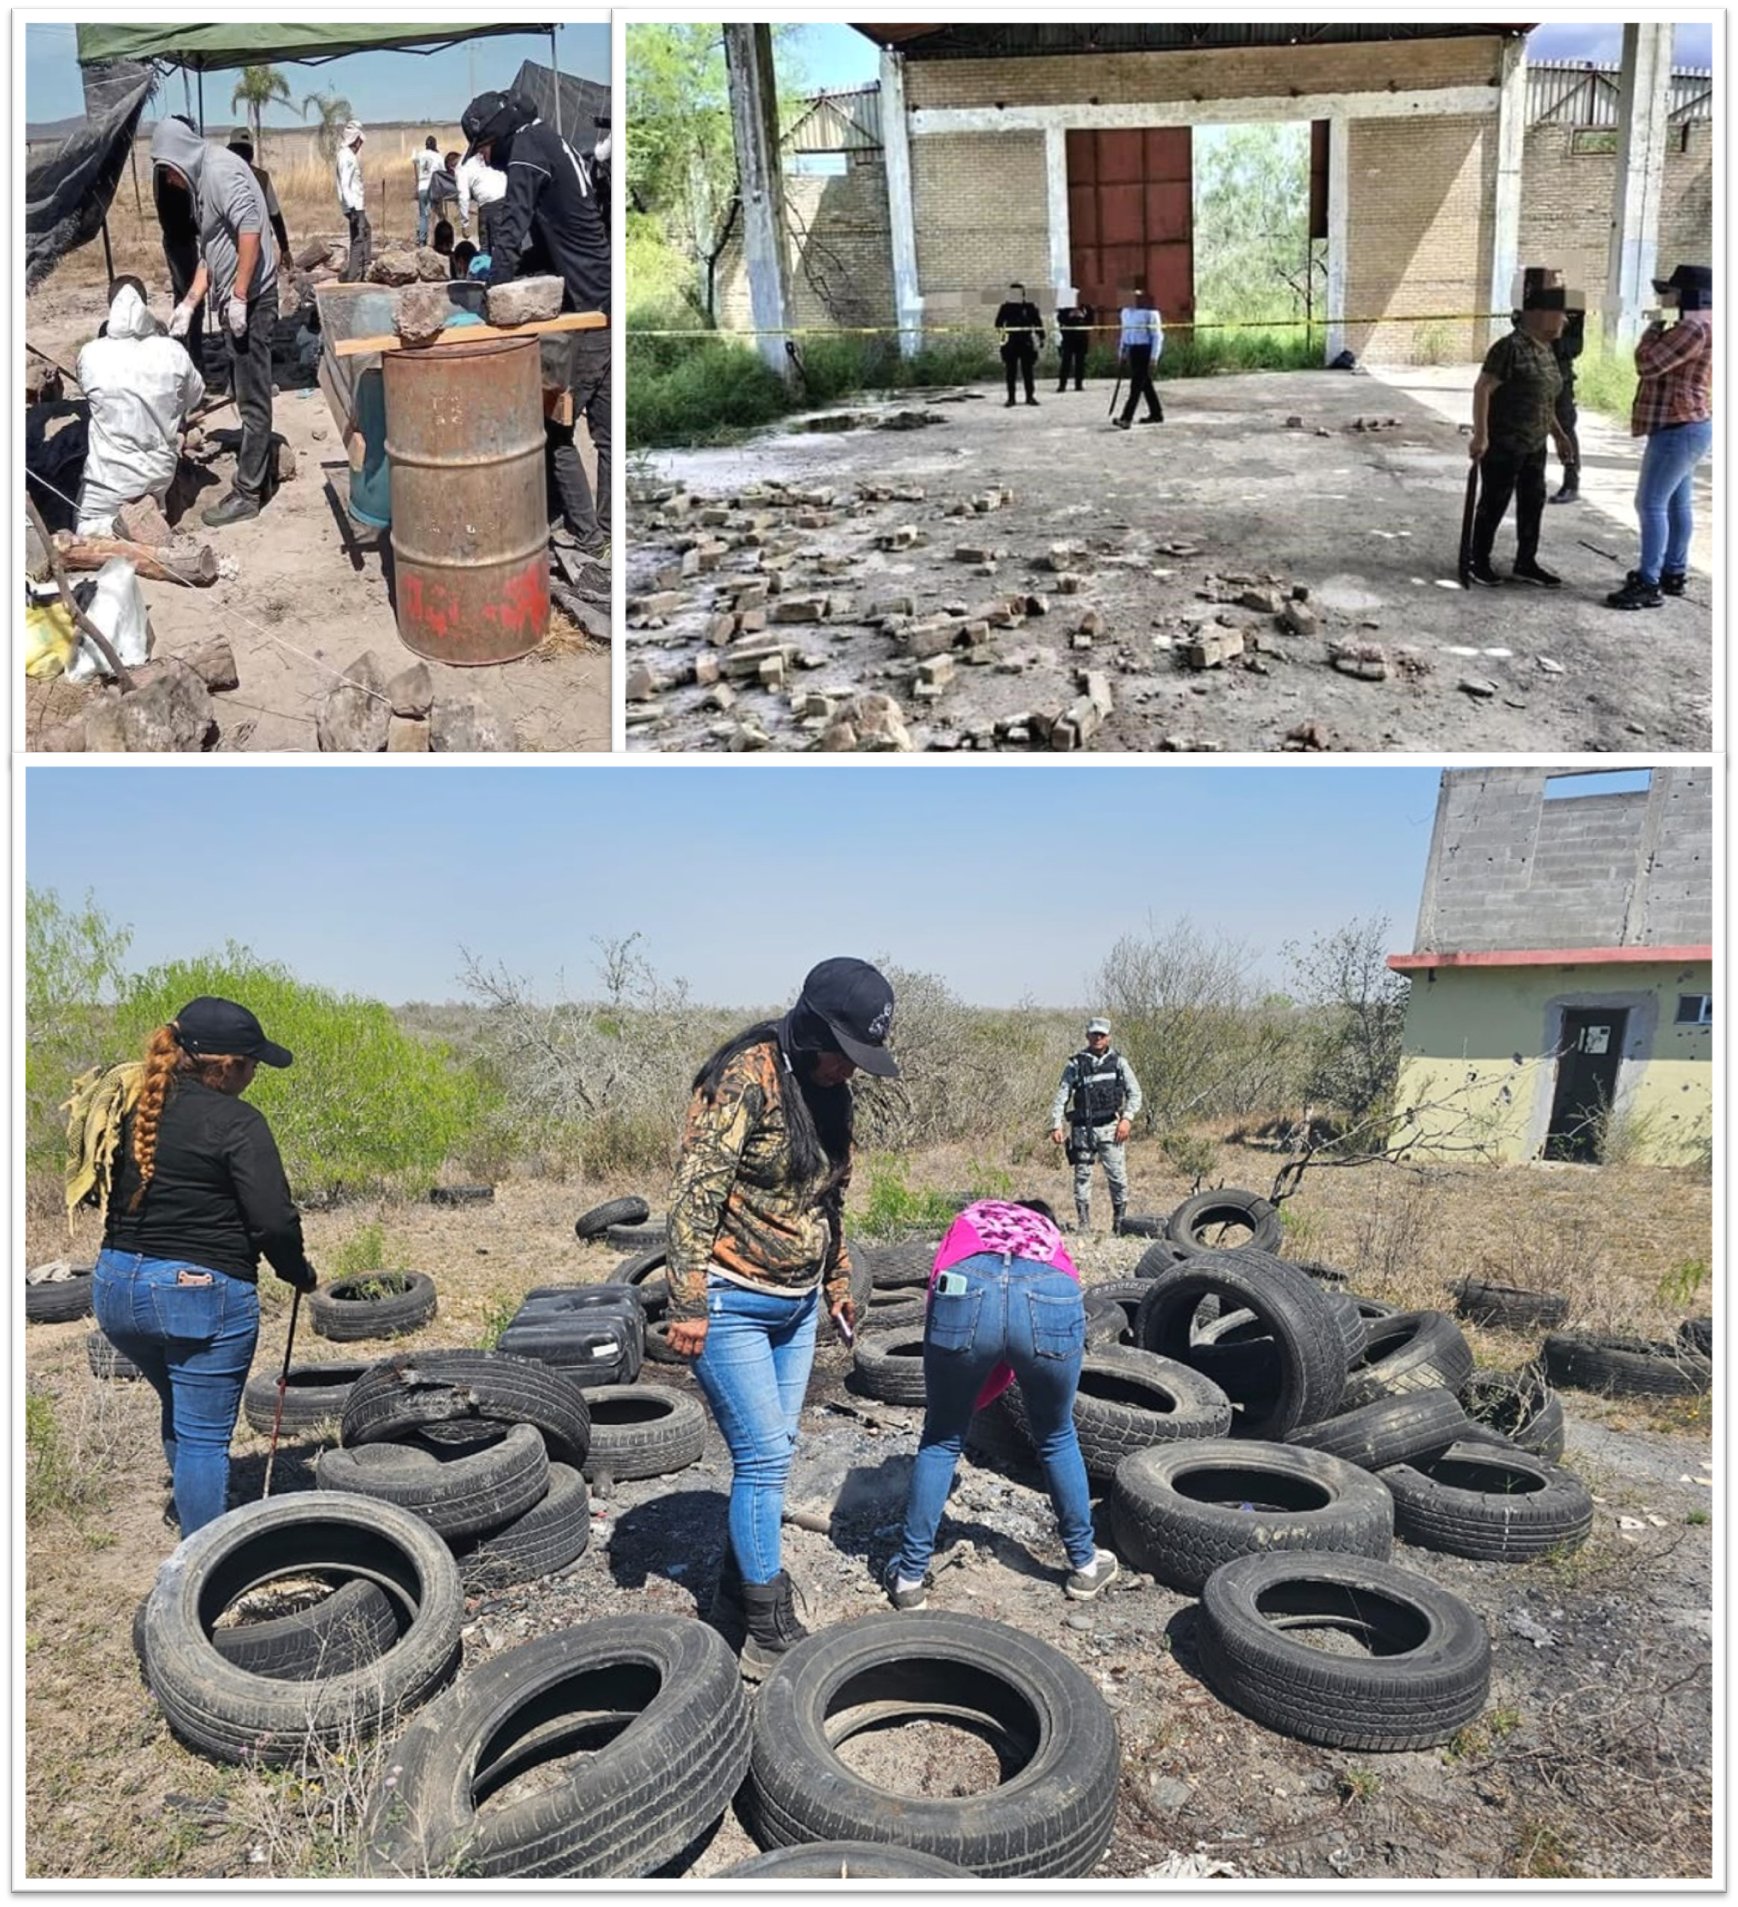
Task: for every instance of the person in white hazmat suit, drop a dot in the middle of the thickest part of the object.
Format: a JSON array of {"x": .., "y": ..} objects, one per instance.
[{"x": 142, "y": 388}]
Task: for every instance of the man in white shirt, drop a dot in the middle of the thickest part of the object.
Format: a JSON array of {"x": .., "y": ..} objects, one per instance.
[
  {"x": 353, "y": 203},
  {"x": 1143, "y": 338},
  {"x": 426, "y": 163},
  {"x": 486, "y": 186}
]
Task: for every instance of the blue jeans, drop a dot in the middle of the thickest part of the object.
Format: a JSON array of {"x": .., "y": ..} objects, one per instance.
[
  {"x": 1026, "y": 1313},
  {"x": 422, "y": 218},
  {"x": 1665, "y": 496},
  {"x": 754, "y": 1370},
  {"x": 194, "y": 1342}
]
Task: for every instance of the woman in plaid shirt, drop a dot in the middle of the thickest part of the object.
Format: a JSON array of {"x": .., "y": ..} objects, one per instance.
[{"x": 1674, "y": 411}]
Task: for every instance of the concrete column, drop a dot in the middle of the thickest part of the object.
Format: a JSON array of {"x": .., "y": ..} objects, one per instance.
[
  {"x": 1643, "y": 102},
  {"x": 1339, "y": 225},
  {"x": 1056, "y": 200},
  {"x": 1511, "y": 137},
  {"x": 901, "y": 224},
  {"x": 754, "y": 126}
]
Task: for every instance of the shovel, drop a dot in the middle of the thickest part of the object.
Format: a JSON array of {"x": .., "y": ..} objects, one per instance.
[
  {"x": 1467, "y": 514},
  {"x": 283, "y": 1385}
]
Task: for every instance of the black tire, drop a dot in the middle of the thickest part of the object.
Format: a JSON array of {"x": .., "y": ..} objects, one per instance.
[
  {"x": 376, "y": 1304},
  {"x": 1310, "y": 1361},
  {"x": 1237, "y": 1341},
  {"x": 1354, "y": 1328},
  {"x": 1321, "y": 1272},
  {"x": 1129, "y": 1400},
  {"x": 461, "y": 1195},
  {"x": 658, "y": 1344},
  {"x": 106, "y": 1361},
  {"x": 615, "y": 1211},
  {"x": 1697, "y": 1335},
  {"x": 1370, "y": 1309},
  {"x": 1411, "y": 1351},
  {"x": 1489, "y": 1503},
  {"x": 657, "y": 1700},
  {"x": 314, "y": 1395},
  {"x": 549, "y": 1536},
  {"x": 354, "y": 1625},
  {"x": 1391, "y": 1430},
  {"x": 1161, "y": 1256},
  {"x": 637, "y": 1237},
  {"x": 1519, "y": 1406},
  {"x": 1141, "y": 1225},
  {"x": 1626, "y": 1367},
  {"x": 224, "y": 1711},
  {"x": 1512, "y": 1307},
  {"x": 642, "y": 1270},
  {"x": 842, "y": 1861},
  {"x": 1126, "y": 1294},
  {"x": 1426, "y": 1676},
  {"x": 457, "y": 1489},
  {"x": 59, "y": 1300},
  {"x": 890, "y": 1366},
  {"x": 591, "y": 1346},
  {"x": 1200, "y": 1222},
  {"x": 643, "y": 1430},
  {"x": 1106, "y": 1320},
  {"x": 905, "y": 1264},
  {"x": 899, "y": 1309},
  {"x": 1051, "y": 1817},
  {"x": 1177, "y": 1508},
  {"x": 469, "y": 1388}
]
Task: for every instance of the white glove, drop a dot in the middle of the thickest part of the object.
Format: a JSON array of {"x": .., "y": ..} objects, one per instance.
[
  {"x": 235, "y": 316},
  {"x": 180, "y": 321}
]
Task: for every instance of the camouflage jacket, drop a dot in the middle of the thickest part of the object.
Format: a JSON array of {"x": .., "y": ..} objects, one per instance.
[{"x": 735, "y": 1202}]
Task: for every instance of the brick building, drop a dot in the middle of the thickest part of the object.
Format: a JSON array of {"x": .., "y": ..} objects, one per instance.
[
  {"x": 1440, "y": 161},
  {"x": 1562, "y": 978}
]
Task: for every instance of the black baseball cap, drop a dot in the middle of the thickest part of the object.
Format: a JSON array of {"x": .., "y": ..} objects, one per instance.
[
  {"x": 494, "y": 116},
  {"x": 856, "y": 1003},
  {"x": 211, "y": 1026}
]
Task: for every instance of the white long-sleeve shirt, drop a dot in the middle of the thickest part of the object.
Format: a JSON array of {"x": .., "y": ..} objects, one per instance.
[
  {"x": 427, "y": 164},
  {"x": 479, "y": 181},
  {"x": 350, "y": 194}
]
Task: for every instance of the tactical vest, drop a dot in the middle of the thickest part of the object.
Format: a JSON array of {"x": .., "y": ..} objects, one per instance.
[{"x": 1098, "y": 1088}]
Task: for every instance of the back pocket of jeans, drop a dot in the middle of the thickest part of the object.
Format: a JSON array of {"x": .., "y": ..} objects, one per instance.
[
  {"x": 953, "y": 1319},
  {"x": 1058, "y": 1325}
]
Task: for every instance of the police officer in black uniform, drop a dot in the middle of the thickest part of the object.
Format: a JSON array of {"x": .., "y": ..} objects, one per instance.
[
  {"x": 1022, "y": 333},
  {"x": 1073, "y": 334}
]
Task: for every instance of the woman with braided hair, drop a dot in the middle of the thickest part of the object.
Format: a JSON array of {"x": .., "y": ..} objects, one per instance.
[{"x": 198, "y": 1195}]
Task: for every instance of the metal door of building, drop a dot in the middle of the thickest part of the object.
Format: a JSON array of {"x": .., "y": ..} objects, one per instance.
[
  {"x": 1131, "y": 217},
  {"x": 1588, "y": 1056}
]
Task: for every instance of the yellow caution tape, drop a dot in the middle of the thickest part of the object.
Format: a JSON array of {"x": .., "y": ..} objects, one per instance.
[{"x": 1171, "y": 327}]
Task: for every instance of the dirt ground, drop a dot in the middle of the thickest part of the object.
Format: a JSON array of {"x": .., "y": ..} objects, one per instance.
[
  {"x": 307, "y": 597},
  {"x": 1367, "y": 521},
  {"x": 1593, "y": 1758}
]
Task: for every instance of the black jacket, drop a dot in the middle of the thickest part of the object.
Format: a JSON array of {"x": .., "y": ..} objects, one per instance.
[
  {"x": 1024, "y": 325},
  {"x": 550, "y": 219},
  {"x": 218, "y": 1196}
]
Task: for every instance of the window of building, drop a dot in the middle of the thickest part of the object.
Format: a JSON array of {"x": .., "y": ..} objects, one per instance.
[
  {"x": 1695, "y": 1009},
  {"x": 1591, "y": 139},
  {"x": 1604, "y": 781}
]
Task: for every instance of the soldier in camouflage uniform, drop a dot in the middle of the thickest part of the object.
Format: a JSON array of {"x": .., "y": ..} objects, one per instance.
[
  {"x": 755, "y": 1239},
  {"x": 1099, "y": 1096}
]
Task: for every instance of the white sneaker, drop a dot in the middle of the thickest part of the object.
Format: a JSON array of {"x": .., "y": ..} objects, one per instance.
[{"x": 1099, "y": 1574}]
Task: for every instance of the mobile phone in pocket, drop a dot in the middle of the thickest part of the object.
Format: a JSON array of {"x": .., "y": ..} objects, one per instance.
[{"x": 952, "y": 1284}]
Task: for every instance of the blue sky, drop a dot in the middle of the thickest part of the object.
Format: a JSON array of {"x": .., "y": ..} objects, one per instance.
[
  {"x": 839, "y": 56},
  {"x": 380, "y": 86},
  {"x": 1011, "y": 882}
]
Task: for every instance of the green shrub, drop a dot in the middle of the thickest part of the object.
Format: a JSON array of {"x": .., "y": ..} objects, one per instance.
[
  {"x": 893, "y": 1207},
  {"x": 699, "y": 391},
  {"x": 1605, "y": 379}
]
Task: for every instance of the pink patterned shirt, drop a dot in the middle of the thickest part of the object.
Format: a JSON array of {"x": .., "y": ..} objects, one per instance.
[{"x": 994, "y": 1225}]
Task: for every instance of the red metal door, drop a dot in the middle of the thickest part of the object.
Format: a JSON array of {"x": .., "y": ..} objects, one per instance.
[{"x": 1131, "y": 217}]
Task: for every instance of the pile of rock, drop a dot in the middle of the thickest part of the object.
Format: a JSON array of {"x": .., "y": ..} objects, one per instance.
[{"x": 365, "y": 713}]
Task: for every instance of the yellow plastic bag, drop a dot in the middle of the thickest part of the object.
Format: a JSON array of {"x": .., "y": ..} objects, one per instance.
[{"x": 50, "y": 640}]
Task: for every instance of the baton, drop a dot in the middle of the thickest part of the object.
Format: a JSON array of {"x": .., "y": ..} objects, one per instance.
[
  {"x": 1116, "y": 393},
  {"x": 1466, "y": 523},
  {"x": 283, "y": 1384}
]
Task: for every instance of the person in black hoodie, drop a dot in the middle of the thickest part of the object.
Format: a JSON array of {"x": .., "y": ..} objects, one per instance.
[
  {"x": 198, "y": 1196},
  {"x": 551, "y": 221}
]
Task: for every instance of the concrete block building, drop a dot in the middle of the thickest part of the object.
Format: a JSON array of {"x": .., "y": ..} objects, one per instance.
[
  {"x": 1562, "y": 980},
  {"x": 1061, "y": 154}
]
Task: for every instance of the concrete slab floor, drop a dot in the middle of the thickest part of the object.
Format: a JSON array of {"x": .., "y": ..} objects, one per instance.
[{"x": 1368, "y": 521}]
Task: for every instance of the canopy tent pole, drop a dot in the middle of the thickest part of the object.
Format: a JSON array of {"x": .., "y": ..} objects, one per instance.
[
  {"x": 133, "y": 160},
  {"x": 108, "y": 254},
  {"x": 202, "y": 102},
  {"x": 186, "y": 92},
  {"x": 555, "y": 68}
]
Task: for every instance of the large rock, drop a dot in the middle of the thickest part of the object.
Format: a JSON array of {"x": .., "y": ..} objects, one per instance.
[
  {"x": 393, "y": 268},
  {"x": 525, "y": 301},
  {"x": 420, "y": 313},
  {"x": 214, "y": 664},
  {"x": 432, "y": 267},
  {"x": 465, "y": 727},
  {"x": 406, "y": 736},
  {"x": 411, "y": 691},
  {"x": 143, "y": 522},
  {"x": 169, "y": 713},
  {"x": 355, "y": 713}
]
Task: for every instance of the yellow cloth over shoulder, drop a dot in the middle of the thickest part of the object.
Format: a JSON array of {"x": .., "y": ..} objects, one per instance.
[{"x": 100, "y": 1100}]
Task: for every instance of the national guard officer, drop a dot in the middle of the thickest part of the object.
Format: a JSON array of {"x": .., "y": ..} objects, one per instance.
[{"x": 1098, "y": 1096}]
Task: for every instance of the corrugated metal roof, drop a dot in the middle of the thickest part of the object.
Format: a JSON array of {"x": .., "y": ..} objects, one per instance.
[
  {"x": 1584, "y": 93},
  {"x": 1022, "y": 40},
  {"x": 838, "y": 122}
]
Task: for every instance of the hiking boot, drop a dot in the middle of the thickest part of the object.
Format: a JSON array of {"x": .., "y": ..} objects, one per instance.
[
  {"x": 235, "y": 508},
  {"x": 1082, "y": 1216},
  {"x": 773, "y": 1628},
  {"x": 1636, "y": 593},
  {"x": 1099, "y": 1574},
  {"x": 1571, "y": 490},
  {"x": 1672, "y": 581},
  {"x": 1116, "y": 1218},
  {"x": 902, "y": 1592},
  {"x": 726, "y": 1613},
  {"x": 1157, "y": 417},
  {"x": 1536, "y": 574},
  {"x": 1033, "y": 402},
  {"x": 1479, "y": 571}
]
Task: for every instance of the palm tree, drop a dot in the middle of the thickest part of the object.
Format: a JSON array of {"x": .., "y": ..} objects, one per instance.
[
  {"x": 334, "y": 111},
  {"x": 256, "y": 89}
]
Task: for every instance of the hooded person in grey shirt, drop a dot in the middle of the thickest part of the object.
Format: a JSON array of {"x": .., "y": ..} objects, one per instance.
[{"x": 238, "y": 266}]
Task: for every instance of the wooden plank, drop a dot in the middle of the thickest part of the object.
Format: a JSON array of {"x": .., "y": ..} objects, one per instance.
[
  {"x": 471, "y": 333},
  {"x": 198, "y": 570}
]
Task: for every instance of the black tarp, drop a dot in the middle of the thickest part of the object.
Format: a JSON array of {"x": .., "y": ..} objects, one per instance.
[
  {"x": 583, "y": 103},
  {"x": 69, "y": 183}
]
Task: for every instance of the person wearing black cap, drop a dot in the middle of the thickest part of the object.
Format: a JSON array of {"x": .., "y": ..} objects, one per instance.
[
  {"x": 198, "y": 1195},
  {"x": 550, "y": 221},
  {"x": 1021, "y": 329},
  {"x": 1514, "y": 410},
  {"x": 1674, "y": 411},
  {"x": 757, "y": 1245},
  {"x": 241, "y": 144}
]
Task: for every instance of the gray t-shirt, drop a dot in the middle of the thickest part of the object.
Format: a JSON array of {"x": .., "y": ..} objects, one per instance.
[{"x": 228, "y": 202}]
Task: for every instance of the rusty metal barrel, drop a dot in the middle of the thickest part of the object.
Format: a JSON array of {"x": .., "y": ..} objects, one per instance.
[{"x": 470, "y": 524}]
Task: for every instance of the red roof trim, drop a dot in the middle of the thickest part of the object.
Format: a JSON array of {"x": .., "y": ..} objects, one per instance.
[{"x": 1556, "y": 957}]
